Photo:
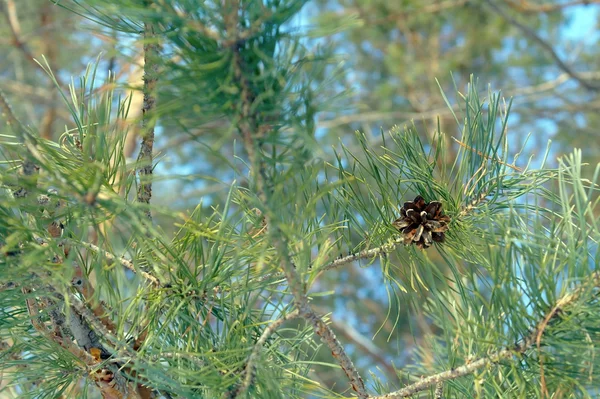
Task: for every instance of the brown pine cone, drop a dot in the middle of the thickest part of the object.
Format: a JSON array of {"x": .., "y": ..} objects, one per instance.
[{"x": 422, "y": 223}]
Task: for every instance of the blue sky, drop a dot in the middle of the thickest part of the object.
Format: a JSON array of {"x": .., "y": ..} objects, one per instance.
[{"x": 583, "y": 28}]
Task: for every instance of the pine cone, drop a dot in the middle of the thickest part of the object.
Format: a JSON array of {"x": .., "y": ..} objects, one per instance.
[{"x": 422, "y": 223}]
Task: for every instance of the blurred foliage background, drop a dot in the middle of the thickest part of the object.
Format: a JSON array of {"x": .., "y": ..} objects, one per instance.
[{"x": 382, "y": 59}]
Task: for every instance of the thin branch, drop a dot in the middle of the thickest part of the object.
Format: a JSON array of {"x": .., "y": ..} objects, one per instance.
[
  {"x": 364, "y": 254},
  {"x": 145, "y": 157},
  {"x": 128, "y": 264},
  {"x": 364, "y": 344},
  {"x": 525, "y": 344},
  {"x": 545, "y": 45},
  {"x": 252, "y": 359},
  {"x": 337, "y": 350},
  {"x": 481, "y": 154}
]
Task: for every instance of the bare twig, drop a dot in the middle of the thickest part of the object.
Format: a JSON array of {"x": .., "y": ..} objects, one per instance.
[
  {"x": 525, "y": 344},
  {"x": 545, "y": 45},
  {"x": 145, "y": 157},
  {"x": 128, "y": 264},
  {"x": 251, "y": 363},
  {"x": 364, "y": 254}
]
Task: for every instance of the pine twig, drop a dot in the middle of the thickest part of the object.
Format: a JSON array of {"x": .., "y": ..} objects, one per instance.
[
  {"x": 252, "y": 359},
  {"x": 128, "y": 264},
  {"x": 344, "y": 260},
  {"x": 364, "y": 344},
  {"x": 534, "y": 338},
  {"x": 145, "y": 157},
  {"x": 364, "y": 254},
  {"x": 337, "y": 350}
]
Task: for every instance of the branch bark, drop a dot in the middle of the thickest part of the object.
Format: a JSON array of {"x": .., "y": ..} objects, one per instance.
[{"x": 145, "y": 157}]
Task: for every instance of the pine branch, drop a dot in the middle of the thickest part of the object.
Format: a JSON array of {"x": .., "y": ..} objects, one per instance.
[
  {"x": 145, "y": 157},
  {"x": 85, "y": 322},
  {"x": 371, "y": 253},
  {"x": 83, "y": 325},
  {"x": 534, "y": 338},
  {"x": 128, "y": 264},
  {"x": 248, "y": 126},
  {"x": 363, "y": 343},
  {"x": 86, "y": 289},
  {"x": 252, "y": 359},
  {"x": 337, "y": 350},
  {"x": 87, "y": 340}
]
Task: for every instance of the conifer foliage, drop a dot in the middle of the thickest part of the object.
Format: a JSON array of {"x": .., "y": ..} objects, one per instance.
[{"x": 105, "y": 294}]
